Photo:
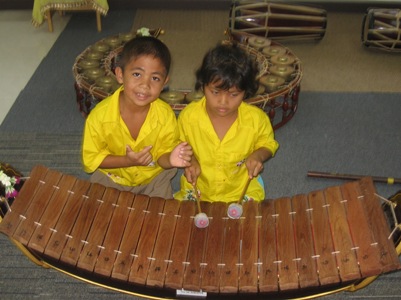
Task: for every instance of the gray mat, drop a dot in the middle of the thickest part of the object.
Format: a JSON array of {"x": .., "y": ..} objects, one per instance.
[{"x": 355, "y": 133}]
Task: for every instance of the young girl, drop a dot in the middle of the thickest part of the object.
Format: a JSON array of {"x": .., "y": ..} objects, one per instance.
[
  {"x": 130, "y": 139},
  {"x": 230, "y": 138}
]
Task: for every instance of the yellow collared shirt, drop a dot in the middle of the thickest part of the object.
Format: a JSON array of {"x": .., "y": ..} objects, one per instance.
[
  {"x": 223, "y": 170},
  {"x": 106, "y": 134}
]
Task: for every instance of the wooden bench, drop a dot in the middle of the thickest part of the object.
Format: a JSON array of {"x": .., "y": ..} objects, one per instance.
[{"x": 44, "y": 9}]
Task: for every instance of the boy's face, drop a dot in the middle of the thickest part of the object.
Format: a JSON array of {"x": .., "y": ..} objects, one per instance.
[
  {"x": 222, "y": 103},
  {"x": 143, "y": 78}
]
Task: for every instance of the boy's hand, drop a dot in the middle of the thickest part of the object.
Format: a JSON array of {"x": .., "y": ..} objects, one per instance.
[
  {"x": 141, "y": 158},
  {"x": 181, "y": 156},
  {"x": 192, "y": 172}
]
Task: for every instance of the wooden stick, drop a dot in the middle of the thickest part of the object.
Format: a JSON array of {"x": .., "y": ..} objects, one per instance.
[
  {"x": 197, "y": 198},
  {"x": 388, "y": 180},
  {"x": 241, "y": 198}
]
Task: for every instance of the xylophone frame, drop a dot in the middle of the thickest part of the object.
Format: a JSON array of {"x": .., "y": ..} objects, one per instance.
[{"x": 388, "y": 246}]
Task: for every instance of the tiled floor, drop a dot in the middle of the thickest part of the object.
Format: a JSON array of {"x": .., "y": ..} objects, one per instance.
[{"x": 22, "y": 48}]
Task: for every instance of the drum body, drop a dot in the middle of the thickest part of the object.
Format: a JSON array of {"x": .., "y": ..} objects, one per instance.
[
  {"x": 382, "y": 29},
  {"x": 278, "y": 21},
  {"x": 302, "y": 245}
]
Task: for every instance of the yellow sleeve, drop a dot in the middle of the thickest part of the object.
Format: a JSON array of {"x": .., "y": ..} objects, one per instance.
[
  {"x": 266, "y": 135},
  {"x": 93, "y": 147}
]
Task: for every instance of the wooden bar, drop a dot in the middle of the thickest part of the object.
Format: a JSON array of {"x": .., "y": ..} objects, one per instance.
[
  {"x": 144, "y": 250},
  {"x": 286, "y": 252},
  {"x": 79, "y": 233},
  {"x": 211, "y": 272},
  {"x": 127, "y": 249},
  {"x": 33, "y": 213},
  {"x": 249, "y": 256},
  {"x": 93, "y": 244},
  {"x": 268, "y": 276},
  {"x": 63, "y": 228},
  {"x": 308, "y": 276},
  {"x": 108, "y": 252},
  {"x": 379, "y": 227},
  {"x": 367, "y": 253},
  {"x": 179, "y": 250},
  {"x": 49, "y": 218},
  {"x": 323, "y": 241},
  {"x": 230, "y": 261},
  {"x": 164, "y": 241},
  {"x": 196, "y": 251},
  {"x": 23, "y": 200},
  {"x": 343, "y": 245}
]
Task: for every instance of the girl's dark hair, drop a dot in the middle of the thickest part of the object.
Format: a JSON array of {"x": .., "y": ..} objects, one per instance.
[
  {"x": 145, "y": 45},
  {"x": 229, "y": 65}
]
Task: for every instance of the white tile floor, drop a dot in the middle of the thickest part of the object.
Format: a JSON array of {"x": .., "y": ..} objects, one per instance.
[{"x": 22, "y": 48}]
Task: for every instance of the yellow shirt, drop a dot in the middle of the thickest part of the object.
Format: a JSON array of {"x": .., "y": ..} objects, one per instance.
[
  {"x": 106, "y": 134},
  {"x": 223, "y": 170}
]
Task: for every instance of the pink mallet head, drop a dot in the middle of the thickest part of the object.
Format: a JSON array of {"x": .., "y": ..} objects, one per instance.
[
  {"x": 234, "y": 211},
  {"x": 201, "y": 220}
]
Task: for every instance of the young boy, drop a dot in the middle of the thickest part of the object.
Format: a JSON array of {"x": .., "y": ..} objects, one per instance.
[
  {"x": 230, "y": 138},
  {"x": 130, "y": 139}
]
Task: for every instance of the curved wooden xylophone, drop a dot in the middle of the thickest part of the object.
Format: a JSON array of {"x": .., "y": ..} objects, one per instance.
[{"x": 311, "y": 244}]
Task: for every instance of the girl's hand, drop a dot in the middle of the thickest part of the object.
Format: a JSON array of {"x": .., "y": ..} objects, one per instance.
[
  {"x": 254, "y": 167},
  {"x": 254, "y": 163}
]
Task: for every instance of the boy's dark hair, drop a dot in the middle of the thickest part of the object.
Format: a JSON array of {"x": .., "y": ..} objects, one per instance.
[
  {"x": 229, "y": 65},
  {"x": 145, "y": 45}
]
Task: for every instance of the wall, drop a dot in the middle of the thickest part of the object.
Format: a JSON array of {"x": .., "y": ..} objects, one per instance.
[
  {"x": 124, "y": 4},
  {"x": 342, "y": 5}
]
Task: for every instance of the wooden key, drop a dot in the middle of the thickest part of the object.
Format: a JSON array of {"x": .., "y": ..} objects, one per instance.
[
  {"x": 49, "y": 218},
  {"x": 23, "y": 200},
  {"x": 64, "y": 225},
  {"x": 83, "y": 223},
  {"x": 115, "y": 232},
  {"x": 129, "y": 243},
  {"x": 32, "y": 216},
  {"x": 323, "y": 241},
  {"x": 179, "y": 250},
  {"x": 308, "y": 275},
  {"x": 164, "y": 241},
  {"x": 268, "y": 275}
]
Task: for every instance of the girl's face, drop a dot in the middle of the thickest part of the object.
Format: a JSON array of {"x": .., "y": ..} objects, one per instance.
[
  {"x": 143, "y": 78},
  {"x": 222, "y": 103}
]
